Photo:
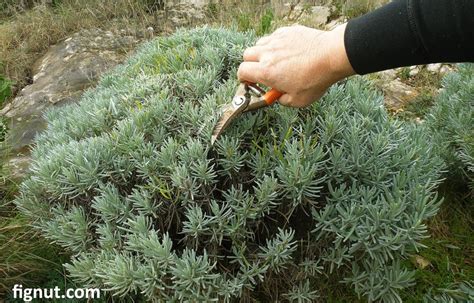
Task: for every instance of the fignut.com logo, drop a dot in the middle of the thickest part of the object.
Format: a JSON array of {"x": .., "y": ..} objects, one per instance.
[{"x": 29, "y": 294}]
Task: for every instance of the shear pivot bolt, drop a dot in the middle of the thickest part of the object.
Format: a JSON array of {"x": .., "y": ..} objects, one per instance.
[{"x": 238, "y": 101}]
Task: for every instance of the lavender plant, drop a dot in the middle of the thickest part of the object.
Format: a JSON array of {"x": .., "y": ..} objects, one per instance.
[
  {"x": 452, "y": 122},
  {"x": 128, "y": 182}
]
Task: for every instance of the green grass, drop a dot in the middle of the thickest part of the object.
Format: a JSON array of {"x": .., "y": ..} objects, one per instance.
[
  {"x": 449, "y": 249},
  {"x": 247, "y": 16},
  {"x": 427, "y": 84},
  {"x": 424, "y": 78},
  {"x": 25, "y": 257},
  {"x": 265, "y": 22},
  {"x": 404, "y": 73},
  {"x": 5, "y": 89},
  {"x": 418, "y": 107}
]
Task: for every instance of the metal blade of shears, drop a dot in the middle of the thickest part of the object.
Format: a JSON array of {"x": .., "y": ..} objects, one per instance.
[
  {"x": 230, "y": 111},
  {"x": 248, "y": 97}
]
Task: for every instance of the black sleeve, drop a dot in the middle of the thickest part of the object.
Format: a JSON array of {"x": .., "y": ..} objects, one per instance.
[{"x": 411, "y": 32}]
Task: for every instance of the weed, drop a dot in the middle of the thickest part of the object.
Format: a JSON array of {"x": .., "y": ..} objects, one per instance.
[
  {"x": 243, "y": 22},
  {"x": 152, "y": 6},
  {"x": 213, "y": 10},
  {"x": 5, "y": 89},
  {"x": 425, "y": 79},
  {"x": 265, "y": 22},
  {"x": 337, "y": 10},
  {"x": 428, "y": 84},
  {"x": 25, "y": 258},
  {"x": 421, "y": 104},
  {"x": 404, "y": 73},
  {"x": 418, "y": 107}
]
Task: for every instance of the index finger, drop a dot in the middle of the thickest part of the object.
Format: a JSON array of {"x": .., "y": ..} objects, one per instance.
[
  {"x": 252, "y": 72},
  {"x": 252, "y": 53}
]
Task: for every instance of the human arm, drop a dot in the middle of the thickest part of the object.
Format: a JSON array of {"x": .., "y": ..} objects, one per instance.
[
  {"x": 300, "y": 61},
  {"x": 411, "y": 32},
  {"x": 304, "y": 62}
]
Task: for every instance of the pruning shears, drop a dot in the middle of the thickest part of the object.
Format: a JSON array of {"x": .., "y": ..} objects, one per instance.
[{"x": 248, "y": 97}]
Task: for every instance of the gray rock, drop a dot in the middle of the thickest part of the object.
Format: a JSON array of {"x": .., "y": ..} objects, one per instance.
[
  {"x": 446, "y": 68},
  {"x": 182, "y": 13},
  {"x": 303, "y": 12},
  {"x": 335, "y": 23},
  {"x": 396, "y": 93},
  {"x": 387, "y": 75},
  {"x": 319, "y": 15},
  {"x": 414, "y": 70},
  {"x": 434, "y": 68},
  {"x": 60, "y": 77}
]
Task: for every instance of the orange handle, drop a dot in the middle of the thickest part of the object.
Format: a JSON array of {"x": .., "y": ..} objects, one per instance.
[{"x": 271, "y": 96}]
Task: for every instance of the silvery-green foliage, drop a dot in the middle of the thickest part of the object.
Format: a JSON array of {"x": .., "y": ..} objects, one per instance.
[
  {"x": 302, "y": 293},
  {"x": 452, "y": 122},
  {"x": 456, "y": 293},
  {"x": 128, "y": 182}
]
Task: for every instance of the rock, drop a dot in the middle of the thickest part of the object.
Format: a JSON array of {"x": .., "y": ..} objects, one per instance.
[
  {"x": 303, "y": 12},
  {"x": 420, "y": 262},
  {"x": 60, "y": 77},
  {"x": 319, "y": 15},
  {"x": 149, "y": 33},
  {"x": 445, "y": 69},
  {"x": 335, "y": 23},
  {"x": 18, "y": 166},
  {"x": 418, "y": 120},
  {"x": 185, "y": 13},
  {"x": 396, "y": 93},
  {"x": 414, "y": 70},
  {"x": 387, "y": 75},
  {"x": 434, "y": 68}
]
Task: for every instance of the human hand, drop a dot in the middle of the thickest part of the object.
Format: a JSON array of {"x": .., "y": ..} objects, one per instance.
[{"x": 300, "y": 61}]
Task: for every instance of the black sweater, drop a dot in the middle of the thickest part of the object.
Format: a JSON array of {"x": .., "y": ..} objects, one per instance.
[{"x": 411, "y": 32}]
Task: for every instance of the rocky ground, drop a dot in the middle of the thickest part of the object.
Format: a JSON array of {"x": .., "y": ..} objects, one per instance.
[{"x": 60, "y": 77}]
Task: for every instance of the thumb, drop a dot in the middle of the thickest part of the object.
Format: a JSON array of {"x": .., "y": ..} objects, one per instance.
[
  {"x": 285, "y": 100},
  {"x": 299, "y": 100}
]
